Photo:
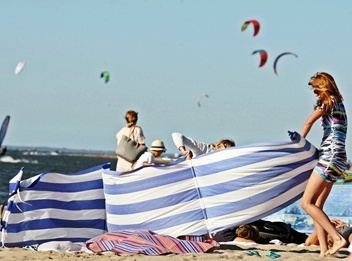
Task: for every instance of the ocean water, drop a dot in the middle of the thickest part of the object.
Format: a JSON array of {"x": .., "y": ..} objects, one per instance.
[
  {"x": 37, "y": 162},
  {"x": 337, "y": 206}
]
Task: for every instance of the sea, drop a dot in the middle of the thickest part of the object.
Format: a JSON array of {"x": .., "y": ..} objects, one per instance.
[{"x": 35, "y": 162}]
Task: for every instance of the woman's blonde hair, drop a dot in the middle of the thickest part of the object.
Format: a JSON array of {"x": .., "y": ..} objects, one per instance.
[
  {"x": 324, "y": 84},
  {"x": 131, "y": 118}
]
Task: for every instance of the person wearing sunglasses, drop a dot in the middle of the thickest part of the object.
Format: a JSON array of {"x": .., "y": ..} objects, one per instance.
[{"x": 332, "y": 162}]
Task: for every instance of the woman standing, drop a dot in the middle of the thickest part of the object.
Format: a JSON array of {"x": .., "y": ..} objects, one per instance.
[
  {"x": 332, "y": 157},
  {"x": 134, "y": 132}
]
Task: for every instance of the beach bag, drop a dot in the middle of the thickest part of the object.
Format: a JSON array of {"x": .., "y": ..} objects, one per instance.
[{"x": 129, "y": 149}]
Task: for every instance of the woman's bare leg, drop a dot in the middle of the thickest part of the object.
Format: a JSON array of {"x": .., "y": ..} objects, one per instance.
[
  {"x": 316, "y": 192},
  {"x": 321, "y": 233}
]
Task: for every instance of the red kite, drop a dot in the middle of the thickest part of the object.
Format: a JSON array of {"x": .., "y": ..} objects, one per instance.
[
  {"x": 256, "y": 26},
  {"x": 263, "y": 57}
]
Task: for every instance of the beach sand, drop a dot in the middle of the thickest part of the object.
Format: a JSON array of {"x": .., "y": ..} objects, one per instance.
[{"x": 291, "y": 252}]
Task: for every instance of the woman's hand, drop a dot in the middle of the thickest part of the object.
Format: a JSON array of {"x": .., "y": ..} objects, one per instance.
[{"x": 188, "y": 154}]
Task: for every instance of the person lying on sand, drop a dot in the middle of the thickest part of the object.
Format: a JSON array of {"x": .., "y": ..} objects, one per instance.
[
  {"x": 247, "y": 234},
  {"x": 344, "y": 229}
]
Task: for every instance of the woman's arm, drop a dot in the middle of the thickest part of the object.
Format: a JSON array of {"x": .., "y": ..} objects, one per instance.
[
  {"x": 188, "y": 146},
  {"x": 310, "y": 121},
  {"x": 138, "y": 135}
]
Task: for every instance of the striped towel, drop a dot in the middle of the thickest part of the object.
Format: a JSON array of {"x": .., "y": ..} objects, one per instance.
[{"x": 148, "y": 243}]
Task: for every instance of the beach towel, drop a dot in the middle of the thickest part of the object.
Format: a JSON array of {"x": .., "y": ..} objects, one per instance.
[{"x": 148, "y": 243}]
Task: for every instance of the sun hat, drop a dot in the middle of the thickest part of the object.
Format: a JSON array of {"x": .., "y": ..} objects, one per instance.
[{"x": 158, "y": 145}]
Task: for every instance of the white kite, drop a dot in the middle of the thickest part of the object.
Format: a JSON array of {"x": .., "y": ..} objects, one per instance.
[
  {"x": 19, "y": 67},
  {"x": 200, "y": 98}
]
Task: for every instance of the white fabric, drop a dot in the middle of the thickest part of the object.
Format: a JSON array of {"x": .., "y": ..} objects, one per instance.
[
  {"x": 196, "y": 147},
  {"x": 63, "y": 247},
  {"x": 147, "y": 157}
]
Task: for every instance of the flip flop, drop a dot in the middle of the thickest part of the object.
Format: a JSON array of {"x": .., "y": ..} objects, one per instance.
[
  {"x": 33, "y": 248},
  {"x": 253, "y": 253},
  {"x": 273, "y": 255}
]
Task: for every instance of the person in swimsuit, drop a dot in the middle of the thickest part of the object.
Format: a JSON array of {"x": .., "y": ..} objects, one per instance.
[{"x": 332, "y": 158}]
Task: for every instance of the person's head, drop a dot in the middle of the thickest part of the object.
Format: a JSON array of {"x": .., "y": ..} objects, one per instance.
[
  {"x": 157, "y": 148},
  {"x": 223, "y": 144},
  {"x": 248, "y": 232},
  {"x": 324, "y": 86},
  {"x": 131, "y": 118}
]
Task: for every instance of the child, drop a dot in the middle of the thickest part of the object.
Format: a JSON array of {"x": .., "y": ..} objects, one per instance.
[{"x": 148, "y": 158}]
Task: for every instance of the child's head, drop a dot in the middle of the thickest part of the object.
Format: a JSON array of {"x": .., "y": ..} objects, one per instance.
[
  {"x": 157, "y": 148},
  {"x": 248, "y": 232}
]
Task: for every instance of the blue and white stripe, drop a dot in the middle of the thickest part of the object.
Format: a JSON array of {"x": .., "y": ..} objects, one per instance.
[
  {"x": 54, "y": 206},
  {"x": 211, "y": 192}
]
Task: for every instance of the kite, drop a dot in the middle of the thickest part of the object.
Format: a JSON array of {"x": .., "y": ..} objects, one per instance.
[
  {"x": 279, "y": 56},
  {"x": 200, "y": 98},
  {"x": 256, "y": 26},
  {"x": 19, "y": 67},
  {"x": 106, "y": 76},
  {"x": 263, "y": 57}
]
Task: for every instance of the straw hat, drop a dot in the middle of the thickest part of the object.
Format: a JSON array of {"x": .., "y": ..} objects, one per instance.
[{"x": 158, "y": 145}]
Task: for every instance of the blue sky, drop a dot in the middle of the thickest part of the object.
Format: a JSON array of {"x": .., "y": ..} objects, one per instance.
[{"x": 162, "y": 55}]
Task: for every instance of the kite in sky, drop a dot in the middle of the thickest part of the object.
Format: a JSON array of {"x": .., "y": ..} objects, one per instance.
[
  {"x": 106, "y": 76},
  {"x": 279, "y": 56},
  {"x": 256, "y": 26},
  {"x": 199, "y": 99},
  {"x": 263, "y": 56},
  {"x": 19, "y": 67}
]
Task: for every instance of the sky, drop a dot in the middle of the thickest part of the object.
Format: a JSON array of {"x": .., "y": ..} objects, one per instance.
[{"x": 162, "y": 55}]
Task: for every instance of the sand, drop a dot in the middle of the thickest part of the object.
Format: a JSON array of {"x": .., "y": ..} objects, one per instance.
[{"x": 226, "y": 252}]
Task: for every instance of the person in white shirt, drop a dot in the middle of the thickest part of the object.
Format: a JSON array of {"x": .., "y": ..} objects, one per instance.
[
  {"x": 133, "y": 131},
  {"x": 196, "y": 148},
  {"x": 148, "y": 158}
]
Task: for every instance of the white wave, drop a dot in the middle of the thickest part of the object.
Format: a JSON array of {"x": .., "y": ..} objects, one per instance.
[{"x": 9, "y": 159}]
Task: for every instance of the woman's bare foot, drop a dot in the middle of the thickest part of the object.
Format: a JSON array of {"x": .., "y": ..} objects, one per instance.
[{"x": 337, "y": 245}]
